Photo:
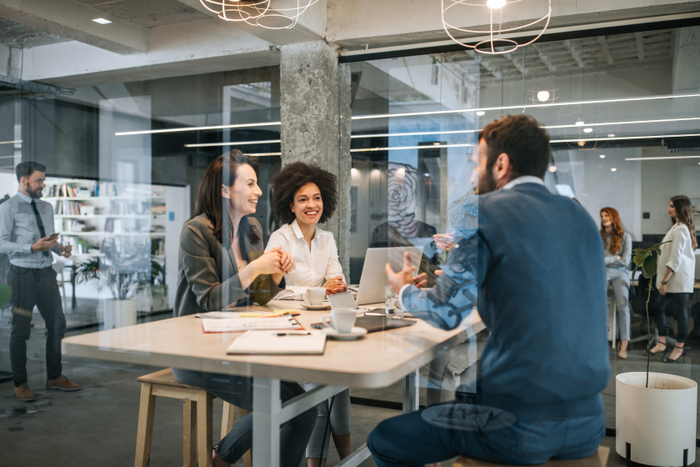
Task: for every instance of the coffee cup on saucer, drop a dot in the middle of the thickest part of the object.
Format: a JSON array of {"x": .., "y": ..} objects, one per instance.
[
  {"x": 316, "y": 295},
  {"x": 342, "y": 320}
]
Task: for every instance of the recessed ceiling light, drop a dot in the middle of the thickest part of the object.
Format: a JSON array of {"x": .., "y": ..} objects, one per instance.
[
  {"x": 481, "y": 113},
  {"x": 102, "y": 21},
  {"x": 495, "y": 3},
  {"x": 613, "y": 169},
  {"x": 580, "y": 123},
  {"x": 611, "y": 135},
  {"x": 552, "y": 168},
  {"x": 602, "y": 156},
  {"x": 587, "y": 130},
  {"x": 543, "y": 96}
]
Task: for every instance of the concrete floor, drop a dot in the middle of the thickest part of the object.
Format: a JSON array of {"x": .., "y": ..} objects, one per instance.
[{"x": 97, "y": 425}]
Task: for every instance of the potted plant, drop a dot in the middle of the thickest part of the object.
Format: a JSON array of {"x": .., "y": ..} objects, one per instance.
[
  {"x": 151, "y": 292},
  {"x": 656, "y": 413},
  {"x": 116, "y": 270}
]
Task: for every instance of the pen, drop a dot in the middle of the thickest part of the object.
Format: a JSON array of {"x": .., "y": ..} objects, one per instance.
[{"x": 282, "y": 334}]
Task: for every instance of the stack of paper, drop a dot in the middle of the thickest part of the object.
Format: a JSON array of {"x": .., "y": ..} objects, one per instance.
[
  {"x": 246, "y": 324},
  {"x": 279, "y": 343}
]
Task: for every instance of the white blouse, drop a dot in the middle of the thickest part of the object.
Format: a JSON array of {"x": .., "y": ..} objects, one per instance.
[
  {"x": 313, "y": 267},
  {"x": 679, "y": 256}
]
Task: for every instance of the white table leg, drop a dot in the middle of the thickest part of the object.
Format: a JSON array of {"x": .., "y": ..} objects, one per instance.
[
  {"x": 411, "y": 392},
  {"x": 267, "y": 408}
]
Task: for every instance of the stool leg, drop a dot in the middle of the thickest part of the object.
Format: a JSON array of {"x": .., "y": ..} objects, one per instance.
[
  {"x": 189, "y": 433},
  {"x": 204, "y": 428},
  {"x": 144, "y": 433},
  {"x": 227, "y": 418},
  {"x": 248, "y": 456}
]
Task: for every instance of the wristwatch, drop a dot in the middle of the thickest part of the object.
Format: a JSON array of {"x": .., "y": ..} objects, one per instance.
[{"x": 664, "y": 283}]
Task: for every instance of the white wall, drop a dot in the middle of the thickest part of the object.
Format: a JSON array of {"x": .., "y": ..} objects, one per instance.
[{"x": 8, "y": 184}]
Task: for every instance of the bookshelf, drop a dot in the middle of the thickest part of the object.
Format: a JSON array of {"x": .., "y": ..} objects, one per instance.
[{"x": 88, "y": 213}]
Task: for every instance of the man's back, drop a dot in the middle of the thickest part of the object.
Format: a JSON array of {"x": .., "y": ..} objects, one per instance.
[{"x": 542, "y": 296}]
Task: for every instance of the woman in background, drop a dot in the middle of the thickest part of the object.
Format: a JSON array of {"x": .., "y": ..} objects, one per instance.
[
  {"x": 675, "y": 274},
  {"x": 618, "y": 250},
  {"x": 221, "y": 264},
  {"x": 304, "y": 195}
]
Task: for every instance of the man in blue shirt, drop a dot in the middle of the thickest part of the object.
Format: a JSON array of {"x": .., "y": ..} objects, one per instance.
[
  {"x": 26, "y": 236},
  {"x": 535, "y": 270}
]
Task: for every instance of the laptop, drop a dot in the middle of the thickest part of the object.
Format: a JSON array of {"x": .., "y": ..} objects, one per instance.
[{"x": 373, "y": 278}]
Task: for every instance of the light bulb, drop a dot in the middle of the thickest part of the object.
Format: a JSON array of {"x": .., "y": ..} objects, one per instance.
[
  {"x": 543, "y": 96},
  {"x": 613, "y": 169},
  {"x": 587, "y": 130},
  {"x": 611, "y": 135},
  {"x": 495, "y": 3},
  {"x": 580, "y": 123},
  {"x": 602, "y": 156},
  {"x": 481, "y": 113},
  {"x": 552, "y": 168}
]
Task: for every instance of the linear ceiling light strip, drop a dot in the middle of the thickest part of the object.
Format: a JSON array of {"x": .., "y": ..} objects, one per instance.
[
  {"x": 195, "y": 128},
  {"x": 622, "y": 138},
  {"x": 663, "y": 158},
  {"x": 236, "y": 143}
]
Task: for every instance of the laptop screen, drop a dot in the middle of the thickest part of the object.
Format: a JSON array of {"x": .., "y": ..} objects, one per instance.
[{"x": 342, "y": 300}]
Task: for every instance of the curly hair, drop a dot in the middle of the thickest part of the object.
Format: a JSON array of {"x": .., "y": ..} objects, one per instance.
[
  {"x": 618, "y": 231},
  {"x": 294, "y": 176}
]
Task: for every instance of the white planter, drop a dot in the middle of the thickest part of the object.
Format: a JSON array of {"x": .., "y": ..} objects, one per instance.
[
  {"x": 151, "y": 299},
  {"x": 658, "y": 422},
  {"x": 119, "y": 313}
]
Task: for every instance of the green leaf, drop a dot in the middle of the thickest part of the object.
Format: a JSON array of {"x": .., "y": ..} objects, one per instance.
[
  {"x": 649, "y": 267},
  {"x": 657, "y": 250},
  {"x": 639, "y": 256},
  {"x": 5, "y": 293}
]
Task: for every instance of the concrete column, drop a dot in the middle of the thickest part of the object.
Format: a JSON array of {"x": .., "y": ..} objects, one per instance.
[
  {"x": 315, "y": 115},
  {"x": 686, "y": 54}
]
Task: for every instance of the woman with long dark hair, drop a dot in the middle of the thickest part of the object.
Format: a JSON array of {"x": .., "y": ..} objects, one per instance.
[
  {"x": 221, "y": 265},
  {"x": 304, "y": 195},
  {"x": 618, "y": 250},
  {"x": 675, "y": 275}
]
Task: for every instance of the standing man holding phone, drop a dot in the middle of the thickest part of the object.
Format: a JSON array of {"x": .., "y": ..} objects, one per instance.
[{"x": 27, "y": 237}]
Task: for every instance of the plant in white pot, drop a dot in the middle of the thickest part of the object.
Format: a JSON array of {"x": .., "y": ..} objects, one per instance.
[
  {"x": 656, "y": 413},
  {"x": 118, "y": 271}
]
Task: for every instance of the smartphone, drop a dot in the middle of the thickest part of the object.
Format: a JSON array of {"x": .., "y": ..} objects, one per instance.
[{"x": 53, "y": 235}]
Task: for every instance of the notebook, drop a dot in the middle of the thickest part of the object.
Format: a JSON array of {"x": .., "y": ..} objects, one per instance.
[{"x": 279, "y": 343}]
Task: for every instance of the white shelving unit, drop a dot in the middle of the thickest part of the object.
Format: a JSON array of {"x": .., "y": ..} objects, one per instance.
[{"x": 89, "y": 212}]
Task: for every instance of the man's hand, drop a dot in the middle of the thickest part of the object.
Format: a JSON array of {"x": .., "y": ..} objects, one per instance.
[
  {"x": 66, "y": 250},
  {"x": 444, "y": 241},
  {"x": 44, "y": 244},
  {"x": 405, "y": 275}
]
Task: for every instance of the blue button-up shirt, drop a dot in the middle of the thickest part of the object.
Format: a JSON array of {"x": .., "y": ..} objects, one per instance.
[{"x": 19, "y": 231}]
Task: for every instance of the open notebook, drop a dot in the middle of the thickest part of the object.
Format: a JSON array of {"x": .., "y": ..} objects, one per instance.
[{"x": 279, "y": 343}]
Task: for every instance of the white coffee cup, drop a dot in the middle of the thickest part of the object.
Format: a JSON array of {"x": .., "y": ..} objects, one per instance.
[
  {"x": 341, "y": 319},
  {"x": 316, "y": 295}
]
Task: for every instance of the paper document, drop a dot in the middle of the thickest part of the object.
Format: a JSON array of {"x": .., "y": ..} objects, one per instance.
[
  {"x": 245, "y": 324},
  {"x": 246, "y": 314},
  {"x": 279, "y": 343}
]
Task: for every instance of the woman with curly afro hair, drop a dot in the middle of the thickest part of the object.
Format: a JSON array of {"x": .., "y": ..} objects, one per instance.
[{"x": 304, "y": 195}]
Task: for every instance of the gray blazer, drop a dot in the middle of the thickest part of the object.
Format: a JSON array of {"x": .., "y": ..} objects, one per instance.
[{"x": 207, "y": 277}]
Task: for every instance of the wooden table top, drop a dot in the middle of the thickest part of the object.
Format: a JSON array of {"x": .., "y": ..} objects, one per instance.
[{"x": 377, "y": 360}]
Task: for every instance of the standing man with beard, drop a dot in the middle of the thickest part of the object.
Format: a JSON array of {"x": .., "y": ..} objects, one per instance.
[
  {"x": 535, "y": 270},
  {"x": 26, "y": 228}
]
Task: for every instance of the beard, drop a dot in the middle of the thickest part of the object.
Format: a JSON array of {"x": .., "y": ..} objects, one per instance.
[
  {"x": 35, "y": 194},
  {"x": 487, "y": 183}
]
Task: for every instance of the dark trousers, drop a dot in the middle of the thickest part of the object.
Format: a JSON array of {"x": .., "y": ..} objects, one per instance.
[
  {"x": 238, "y": 390},
  {"x": 38, "y": 287},
  {"x": 680, "y": 301},
  {"x": 426, "y": 436}
]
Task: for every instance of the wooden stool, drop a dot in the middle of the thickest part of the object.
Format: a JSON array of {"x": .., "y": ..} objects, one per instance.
[
  {"x": 597, "y": 459},
  {"x": 195, "y": 422}
]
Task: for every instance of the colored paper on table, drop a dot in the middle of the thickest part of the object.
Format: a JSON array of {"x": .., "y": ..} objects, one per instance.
[
  {"x": 279, "y": 343},
  {"x": 247, "y": 324}
]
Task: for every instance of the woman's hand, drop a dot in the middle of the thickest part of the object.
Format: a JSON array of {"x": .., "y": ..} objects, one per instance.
[
  {"x": 662, "y": 289},
  {"x": 287, "y": 263},
  {"x": 335, "y": 285},
  {"x": 269, "y": 263}
]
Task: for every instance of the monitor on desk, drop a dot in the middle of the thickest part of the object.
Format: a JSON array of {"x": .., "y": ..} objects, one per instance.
[{"x": 374, "y": 278}]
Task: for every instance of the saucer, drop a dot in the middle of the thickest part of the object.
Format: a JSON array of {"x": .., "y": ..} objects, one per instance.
[
  {"x": 355, "y": 333},
  {"x": 308, "y": 306}
]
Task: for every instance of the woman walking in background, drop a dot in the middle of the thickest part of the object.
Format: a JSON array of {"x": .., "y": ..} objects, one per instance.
[
  {"x": 675, "y": 275},
  {"x": 618, "y": 249}
]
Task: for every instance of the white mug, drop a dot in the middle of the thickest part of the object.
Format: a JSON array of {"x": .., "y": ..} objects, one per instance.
[
  {"x": 316, "y": 295},
  {"x": 341, "y": 319}
]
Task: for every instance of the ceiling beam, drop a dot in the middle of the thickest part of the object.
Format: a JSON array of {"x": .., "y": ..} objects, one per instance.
[
  {"x": 491, "y": 69},
  {"x": 73, "y": 20},
  {"x": 574, "y": 52},
  {"x": 516, "y": 63},
  {"x": 545, "y": 59},
  {"x": 606, "y": 50},
  {"x": 310, "y": 27},
  {"x": 639, "y": 39}
]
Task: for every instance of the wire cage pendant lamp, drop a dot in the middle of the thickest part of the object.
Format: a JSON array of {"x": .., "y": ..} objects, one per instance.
[
  {"x": 492, "y": 11},
  {"x": 282, "y": 15}
]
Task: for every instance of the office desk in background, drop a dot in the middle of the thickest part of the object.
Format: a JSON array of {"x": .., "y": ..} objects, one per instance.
[{"x": 378, "y": 360}]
